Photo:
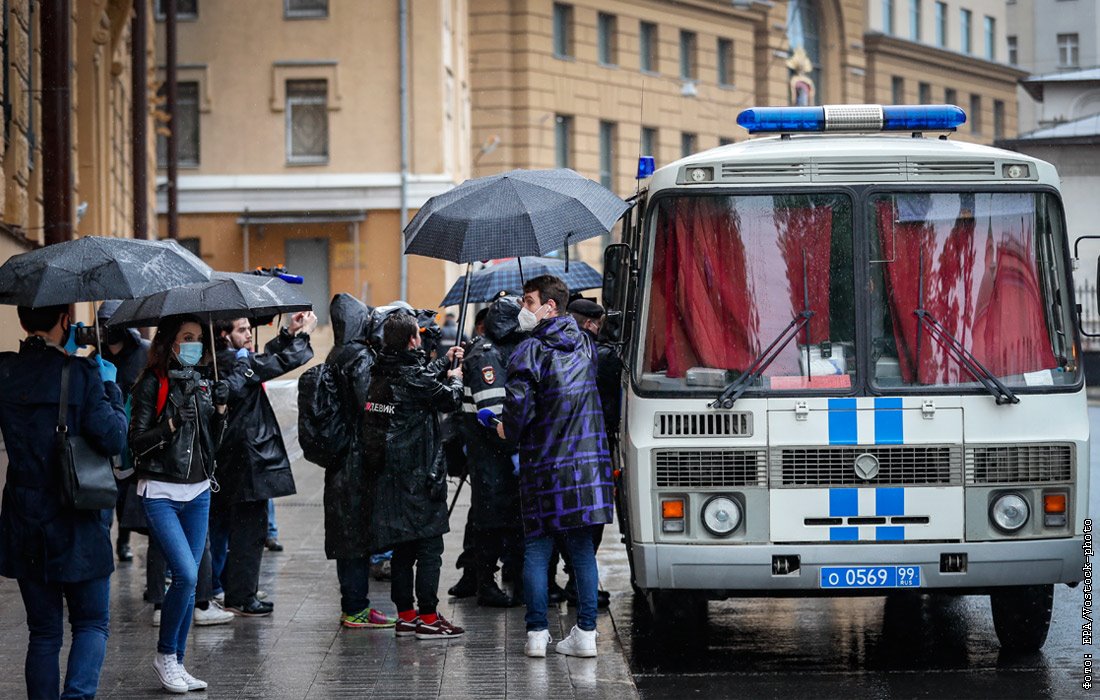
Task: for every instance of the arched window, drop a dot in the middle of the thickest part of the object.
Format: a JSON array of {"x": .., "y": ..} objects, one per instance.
[{"x": 803, "y": 35}]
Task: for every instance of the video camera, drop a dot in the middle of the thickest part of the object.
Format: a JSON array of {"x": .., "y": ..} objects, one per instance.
[{"x": 280, "y": 272}]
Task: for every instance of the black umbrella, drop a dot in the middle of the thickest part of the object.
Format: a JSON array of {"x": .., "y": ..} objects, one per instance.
[
  {"x": 522, "y": 212},
  {"x": 508, "y": 276},
  {"x": 95, "y": 268},
  {"x": 226, "y": 296}
]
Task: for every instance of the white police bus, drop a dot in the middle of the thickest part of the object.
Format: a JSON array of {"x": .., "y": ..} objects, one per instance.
[{"x": 852, "y": 367}]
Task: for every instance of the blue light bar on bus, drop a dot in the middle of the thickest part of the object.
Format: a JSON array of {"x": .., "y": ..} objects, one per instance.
[{"x": 851, "y": 118}]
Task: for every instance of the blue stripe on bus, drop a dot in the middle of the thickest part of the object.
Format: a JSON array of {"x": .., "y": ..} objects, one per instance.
[
  {"x": 843, "y": 503},
  {"x": 888, "y": 421},
  {"x": 843, "y": 534},
  {"x": 891, "y": 533},
  {"x": 890, "y": 501},
  {"x": 842, "y": 422}
]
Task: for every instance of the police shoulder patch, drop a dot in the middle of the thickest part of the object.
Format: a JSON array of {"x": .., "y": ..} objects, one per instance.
[{"x": 488, "y": 374}]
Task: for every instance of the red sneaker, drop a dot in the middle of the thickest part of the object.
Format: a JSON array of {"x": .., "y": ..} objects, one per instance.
[
  {"x": 440, "y": 629},
  {"x": 406, "y": 628}
]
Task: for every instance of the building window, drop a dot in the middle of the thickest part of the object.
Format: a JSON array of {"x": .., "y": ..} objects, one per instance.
[
  {"x": 950, "y": 96},
  {"x": 897, "y": 90},
  {"x": 998, "y": 119},
  {"x": 185, "y": 125},
  {"x": 688, "y": 144},
  {"x": 1013, "y": 57},
  {"x": 725, "y": 62},
  {"x": 305, "y": 9},
  {"x": 803, "y": 21},
  {"x": 185, "y": 9},
  {"x": 607, "y": 46},
  {"x": 563, "y": 30},
  {"x": 647, "y": 47},
  {"x": 688, "y": 64},
  {"x": 607, "y": 155},
  {"x": 307, "y": 121},
  {"x": 941, "y": 24},
  {"x": 888, "y": 16},
  {"x": 563, "y": 141},
  {"x": 990, "y": 39},
  {"x": 648, "y": 146},
  {"x": 924, "y": 93},
  {"x": 1067, "y": 50},
  {"x": 975, "y": 115},
  {"x": 914, "y": 19},
  {"x": 964, "y": 30}
]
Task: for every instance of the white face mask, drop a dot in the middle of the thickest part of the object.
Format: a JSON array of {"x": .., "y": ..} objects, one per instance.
[{"x": 527, "y": 319}]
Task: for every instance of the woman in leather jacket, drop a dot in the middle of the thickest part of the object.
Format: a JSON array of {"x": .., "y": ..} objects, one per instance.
[{"x": 177, "y": 418}]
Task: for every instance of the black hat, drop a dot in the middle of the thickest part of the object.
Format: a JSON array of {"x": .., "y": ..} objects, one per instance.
[{"x": 586, "y": 308}]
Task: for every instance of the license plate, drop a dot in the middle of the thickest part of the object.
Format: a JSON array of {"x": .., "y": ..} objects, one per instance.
[{"x": 870, "y": 577}]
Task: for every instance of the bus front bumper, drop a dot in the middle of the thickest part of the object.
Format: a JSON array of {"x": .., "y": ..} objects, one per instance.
[{"x": 752, "y": 568}]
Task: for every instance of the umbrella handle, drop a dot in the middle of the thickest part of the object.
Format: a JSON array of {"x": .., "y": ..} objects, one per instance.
[
  {"x": 213, "y": 352},
  {"x": 462, "y": 310}
]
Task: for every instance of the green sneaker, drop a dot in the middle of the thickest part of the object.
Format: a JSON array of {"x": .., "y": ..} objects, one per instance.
[{"x": 367, "y": 617}]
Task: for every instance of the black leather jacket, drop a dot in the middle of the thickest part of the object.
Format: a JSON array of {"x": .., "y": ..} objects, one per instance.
[{"x": 164, "y": 455}]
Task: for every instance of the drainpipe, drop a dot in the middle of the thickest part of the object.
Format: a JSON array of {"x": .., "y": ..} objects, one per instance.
[
  {"x": 57, "y": 139},
  {"x": 139, "y": 119},
  {"x": 403, "y": 43},
  {"x": 173, "y": 140}
]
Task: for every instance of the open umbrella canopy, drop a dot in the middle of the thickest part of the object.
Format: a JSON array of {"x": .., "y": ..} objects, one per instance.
[
  {"x": 508, "y": 276},
  {"x": 94, "y": 268},
  {"x": 522, "y": 212},
  {"x": 227, "y": 295}
]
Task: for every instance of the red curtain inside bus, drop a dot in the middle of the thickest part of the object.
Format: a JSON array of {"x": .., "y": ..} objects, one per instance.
[
  {"x": 728, "y": 277},
  {"x": 980, "y": 281}
]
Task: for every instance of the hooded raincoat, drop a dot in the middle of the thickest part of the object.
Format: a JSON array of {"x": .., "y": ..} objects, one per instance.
[
  {"x": 347, "y": 486},
  {"x": 403, "y": 448},
  {"x": 552, "y": 407}
]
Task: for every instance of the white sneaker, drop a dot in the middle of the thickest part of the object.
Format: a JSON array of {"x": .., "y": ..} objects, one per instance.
[
  {"x": 168, "y": 671},
  {"x": 536, "y": 644},
  {"x": 219, "y": 599},
  {"x": 579, "y": 643},
  {"x": 192, "y": 682},
  {"x": 156, "y": 618},
  {"x": 213, "y": 615}
]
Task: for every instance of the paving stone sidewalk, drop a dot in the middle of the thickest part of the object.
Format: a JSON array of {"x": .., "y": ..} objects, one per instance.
[{"x": 302, "y": 652}]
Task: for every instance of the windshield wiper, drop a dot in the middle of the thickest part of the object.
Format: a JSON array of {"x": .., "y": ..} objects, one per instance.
[
  {"x": 957, "y": 351},
  {"x": 739, "y": 386}
]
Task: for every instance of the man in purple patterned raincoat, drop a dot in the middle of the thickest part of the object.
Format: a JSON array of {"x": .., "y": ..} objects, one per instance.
[{"x": 552, "y": 410}]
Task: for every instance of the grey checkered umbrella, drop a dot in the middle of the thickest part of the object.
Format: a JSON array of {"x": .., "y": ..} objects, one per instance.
[
  {"x": 522, "y": 212},
  {"x": 508, "y": 276}
]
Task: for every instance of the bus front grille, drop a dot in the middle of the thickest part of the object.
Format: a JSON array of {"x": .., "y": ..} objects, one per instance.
[
  {"x": 900, "y": 465},
  {"x": 710, "y": 468},
  {"x": 1019, "y": 464}
]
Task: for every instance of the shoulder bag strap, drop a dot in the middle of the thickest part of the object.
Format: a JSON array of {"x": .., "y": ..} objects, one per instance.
[{"x": 63, "y": 407}]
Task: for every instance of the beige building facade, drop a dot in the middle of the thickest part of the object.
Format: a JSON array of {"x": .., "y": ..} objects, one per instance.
[
  {"x": 289, "y": 123},
  {"x": 100, "y": 129}
]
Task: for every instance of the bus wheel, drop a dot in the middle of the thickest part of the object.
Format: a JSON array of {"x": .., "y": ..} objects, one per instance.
[
  {"x": 678, "y": 613},
  {"x": 1021, "y": 616}
]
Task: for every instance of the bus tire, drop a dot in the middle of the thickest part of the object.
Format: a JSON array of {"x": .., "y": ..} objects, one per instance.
[
  {"x": 1021, "y": 616},
  {"x": 678, "y": 613}
]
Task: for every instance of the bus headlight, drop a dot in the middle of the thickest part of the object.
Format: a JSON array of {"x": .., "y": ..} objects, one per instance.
[
  {"x": 721, "y": 515},
  {"x": 1009, "y": 512}
]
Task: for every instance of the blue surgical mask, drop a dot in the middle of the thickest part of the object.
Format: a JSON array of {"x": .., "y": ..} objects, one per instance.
[{"x": 190, "y": 354}]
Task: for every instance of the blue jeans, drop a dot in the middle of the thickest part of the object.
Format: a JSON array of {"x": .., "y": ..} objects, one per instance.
[
  {"x": 180, "y": 529},
  {"x": 89, "y": 618},
  {"x": 536, "y": 556},
  {"x": 219, "y": 552},
  {"x": 272, "y": 526}
]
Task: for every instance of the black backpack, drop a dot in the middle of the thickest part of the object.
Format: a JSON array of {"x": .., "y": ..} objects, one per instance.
[{"x": 323, "y": 421}]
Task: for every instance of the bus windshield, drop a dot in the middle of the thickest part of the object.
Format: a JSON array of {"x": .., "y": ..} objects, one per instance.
[
  {"x": 988, "y": 267},
  {"x": 731, "y": 272}
]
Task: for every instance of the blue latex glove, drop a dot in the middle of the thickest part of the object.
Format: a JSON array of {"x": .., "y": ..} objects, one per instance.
[
  {"x": 70, "y": 343},
  {"x": 242, "y": 352},
  {"x": 107, "y": 370},
  {"x": 487, "y": 418},
  {"x": 515, "y": 464}
]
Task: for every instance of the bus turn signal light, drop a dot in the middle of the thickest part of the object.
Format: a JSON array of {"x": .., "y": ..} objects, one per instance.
[
  {"x": 1054, "y": 503},
  {"x": 672, "y": 509}
]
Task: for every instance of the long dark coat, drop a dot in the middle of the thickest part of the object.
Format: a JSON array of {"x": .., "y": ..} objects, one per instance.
[
  {"x": 40, "y": 539},
  {"x": 553, "y": 409},
  {"x": 252, "y": 461},
  {"x": 403, "y": 447},
  {"x": 347, "y": 486}
]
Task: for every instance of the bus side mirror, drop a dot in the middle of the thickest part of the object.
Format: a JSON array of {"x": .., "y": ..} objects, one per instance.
[
  {"x": 616, "y": 268},
  {"x": 612, "y": 329}
]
